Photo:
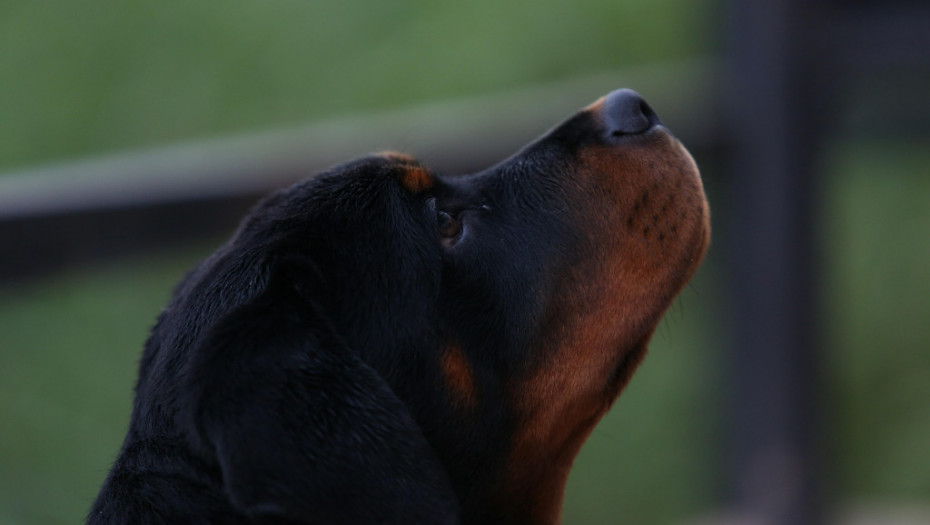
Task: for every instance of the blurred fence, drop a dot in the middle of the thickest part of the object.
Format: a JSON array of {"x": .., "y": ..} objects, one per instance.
[
  {"x": 60, "y": 216},
  {"x": 790, "y": 65}
]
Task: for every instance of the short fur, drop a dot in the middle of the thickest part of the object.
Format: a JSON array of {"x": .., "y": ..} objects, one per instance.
[{"x": 381, "y": 344}]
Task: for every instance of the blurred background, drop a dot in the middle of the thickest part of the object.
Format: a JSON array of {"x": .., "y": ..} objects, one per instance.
[{"x": 788, "y": 385}]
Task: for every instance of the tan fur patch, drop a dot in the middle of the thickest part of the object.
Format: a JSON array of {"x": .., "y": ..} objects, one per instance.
[
  {"x": 416, "y": 179},
  {"x": 647, "y": 226},
  {"x": 459, "y": 377},
  {"x": 596, "y": 107},
  {"x": 413, "y": 176}
]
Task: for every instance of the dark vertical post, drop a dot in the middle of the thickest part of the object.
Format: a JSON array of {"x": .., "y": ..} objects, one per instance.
[{"x": 774, "y": 457}]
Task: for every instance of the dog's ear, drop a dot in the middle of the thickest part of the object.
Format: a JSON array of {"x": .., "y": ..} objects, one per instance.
[{"x": 303, "y": 429}]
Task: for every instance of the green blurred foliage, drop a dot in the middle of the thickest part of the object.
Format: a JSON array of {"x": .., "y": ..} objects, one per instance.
[
  {"x": 877, "y": 279},
  {"x": 68, "y": 352},
  {"x": 102, "y": 75}
]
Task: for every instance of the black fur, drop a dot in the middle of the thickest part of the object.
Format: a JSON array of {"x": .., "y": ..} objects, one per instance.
[{"x": 296, "y": 376}]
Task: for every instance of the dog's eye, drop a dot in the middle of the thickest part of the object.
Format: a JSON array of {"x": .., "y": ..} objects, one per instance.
[{"x": 449, "y": 227}]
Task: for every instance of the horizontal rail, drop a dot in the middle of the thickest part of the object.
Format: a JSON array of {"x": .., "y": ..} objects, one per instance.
[
  {"x": 56, "y": 216},
  {"x": 447, "y": 135}
]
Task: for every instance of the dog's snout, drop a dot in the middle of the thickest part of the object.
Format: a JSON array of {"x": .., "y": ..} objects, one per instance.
[{"x": 624, "y": 112}]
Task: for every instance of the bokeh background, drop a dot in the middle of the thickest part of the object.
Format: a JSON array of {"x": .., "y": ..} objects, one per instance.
[{"x": 97, "y": 92}]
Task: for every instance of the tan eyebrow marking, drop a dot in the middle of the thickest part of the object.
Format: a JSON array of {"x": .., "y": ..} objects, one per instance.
[{"x": 416, "y": 179}]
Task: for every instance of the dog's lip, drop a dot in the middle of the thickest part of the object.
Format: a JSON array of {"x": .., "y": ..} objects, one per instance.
[
  {"x": 658, "y": 129},
  {"x": 651, "y": 137}
]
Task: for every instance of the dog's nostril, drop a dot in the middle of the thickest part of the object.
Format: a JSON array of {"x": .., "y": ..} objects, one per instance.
[{"x": 626, "y": 113}]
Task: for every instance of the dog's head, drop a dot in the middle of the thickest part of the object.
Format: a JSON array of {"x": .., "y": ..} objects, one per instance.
[{"x": 505, "y": 310}]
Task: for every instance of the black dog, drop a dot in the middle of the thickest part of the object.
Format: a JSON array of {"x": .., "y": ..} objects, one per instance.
[{"x": 380, "y": 344}]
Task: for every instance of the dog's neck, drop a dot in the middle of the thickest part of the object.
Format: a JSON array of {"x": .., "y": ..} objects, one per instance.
[{"x": 533, "y": 486}]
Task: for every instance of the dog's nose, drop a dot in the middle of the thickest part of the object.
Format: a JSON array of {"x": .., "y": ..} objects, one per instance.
[{"x": 626, "y": 113}]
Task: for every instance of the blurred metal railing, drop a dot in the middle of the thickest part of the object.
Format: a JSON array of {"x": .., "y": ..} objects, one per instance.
[
  {"x": 58, "y": 216},
  {"x": 789, "y": 64}
]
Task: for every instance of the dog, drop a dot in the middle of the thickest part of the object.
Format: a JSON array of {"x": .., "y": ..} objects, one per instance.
[{"x": 383, "y": 344}]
